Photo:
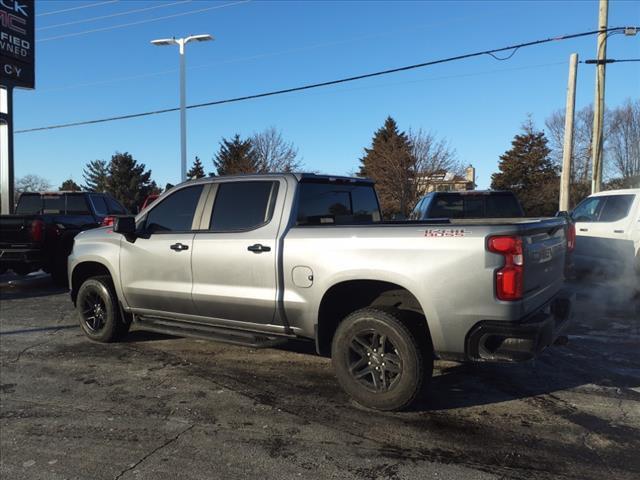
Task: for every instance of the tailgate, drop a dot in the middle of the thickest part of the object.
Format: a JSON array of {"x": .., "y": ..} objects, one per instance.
[
  {"x": 15, "y": 231},
  {"x": 545, "y": 249}
]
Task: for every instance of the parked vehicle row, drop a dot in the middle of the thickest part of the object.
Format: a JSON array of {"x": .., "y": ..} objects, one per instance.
[
  {"x": 258, "y": 260},
  {"x": 40, "y": 234}
]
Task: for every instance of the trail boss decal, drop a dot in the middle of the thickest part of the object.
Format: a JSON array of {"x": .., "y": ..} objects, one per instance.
[{"x": 446, "y": 232}]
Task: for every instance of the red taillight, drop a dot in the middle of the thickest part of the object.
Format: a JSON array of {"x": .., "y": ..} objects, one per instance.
[
  {"x": 509, "y": 282},
  {"x": 108, "y": 221},
  {"x": 571, "y": 237},
  {"x": 37, "y": 230}
]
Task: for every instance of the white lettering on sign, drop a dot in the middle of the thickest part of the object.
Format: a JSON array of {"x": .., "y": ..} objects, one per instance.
[
  {"x": 16, "y": 6},
  {"x": 5, "y": 37},
  {"x": 12, "y": 70}
]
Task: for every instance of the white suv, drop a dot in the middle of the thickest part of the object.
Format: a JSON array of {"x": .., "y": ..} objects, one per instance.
[{"x": 608, "y": 231}]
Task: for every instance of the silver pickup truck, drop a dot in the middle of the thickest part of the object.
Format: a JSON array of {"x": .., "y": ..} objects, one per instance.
[{"x": 258, "y": 260}]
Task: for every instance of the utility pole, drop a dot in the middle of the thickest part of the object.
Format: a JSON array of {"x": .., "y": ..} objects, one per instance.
[
  {"x": 598, "y": 104},
  {"x": 567, "y": 151}
]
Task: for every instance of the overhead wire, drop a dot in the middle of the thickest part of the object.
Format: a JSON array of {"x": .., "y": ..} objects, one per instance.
[
  {"x": 111, "y": 15},
  {"x": 71, "y": 9},
  {"x": 322, "y": 84},
  {"x": 240, "y": 59},
  {"x": 140, "y": 22}
]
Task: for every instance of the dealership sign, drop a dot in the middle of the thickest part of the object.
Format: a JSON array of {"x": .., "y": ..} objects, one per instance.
[{"x": 17, "y": 45}]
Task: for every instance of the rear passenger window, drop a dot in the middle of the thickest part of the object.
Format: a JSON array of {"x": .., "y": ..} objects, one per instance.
[
  {"x": 29, "y": 205},
  {"x": 616, "y": 207},
  {"x": 53, "y": 204},
  {"x": 175, "y": 212},
  {"x": 327, "y": 203},
  {"x": 115, "y": 207},
  {"x": 77, "y": 205},
  {"x": 502, "y": 206},
  {"x": 447, "y": 206},
  {"x": 241, "y": 206},
  {"x": 99, "y": 205}
]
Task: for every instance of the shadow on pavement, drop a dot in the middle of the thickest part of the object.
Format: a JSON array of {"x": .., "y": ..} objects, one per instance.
[
  {"x": 135, "y": 336},
  {"x": 52, "y": 328},
  {"x": 15, "y": 287}
]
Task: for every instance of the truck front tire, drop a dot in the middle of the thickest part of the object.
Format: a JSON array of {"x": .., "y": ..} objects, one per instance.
[
  {"x": 378, "y": 361},
  {"x": 99, "y": 310}
]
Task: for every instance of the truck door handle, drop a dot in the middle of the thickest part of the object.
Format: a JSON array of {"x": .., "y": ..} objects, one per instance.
[
  {"x": 258, "y": 248},
  {"x": 178, "y": 247},
  {"x": 584, "y": 229},
  {"x": 618, "y": 231}
]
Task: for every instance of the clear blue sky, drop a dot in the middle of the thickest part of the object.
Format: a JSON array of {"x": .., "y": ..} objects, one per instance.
[{"x": 477, "y": 104}]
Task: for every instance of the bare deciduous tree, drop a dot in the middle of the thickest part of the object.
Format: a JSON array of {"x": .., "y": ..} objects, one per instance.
[
  {"x": 273, "y": 153},
  {"x": 32, "y": 183},
  {"x": 433, "y": 155},
  {"x": 623, "y": 150},
  {"x": 582, "y": 136}
]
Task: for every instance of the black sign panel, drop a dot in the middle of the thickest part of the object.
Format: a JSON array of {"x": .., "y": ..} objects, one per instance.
[{"x": 17, "y": 43}]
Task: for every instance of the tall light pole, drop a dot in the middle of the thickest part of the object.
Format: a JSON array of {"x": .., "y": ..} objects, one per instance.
[{"x": 182, "y": 43}]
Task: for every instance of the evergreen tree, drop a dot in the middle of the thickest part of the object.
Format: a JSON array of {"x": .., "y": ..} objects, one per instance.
[
  {"x": 235, "y": 156},
  {"x": 390, "y": 162},
  {"x": 527, "y": 170},
  {"x": 70, "y": 186},
  {"x": 196, "y": 171},
  {"x": 129, "y": 182},
  {"x": 95, "y": 175}
]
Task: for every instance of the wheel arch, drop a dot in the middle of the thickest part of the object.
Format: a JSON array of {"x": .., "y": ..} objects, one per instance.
[
  {"x": 84, "y": 270},
  {"x": 347, "y": 296}
]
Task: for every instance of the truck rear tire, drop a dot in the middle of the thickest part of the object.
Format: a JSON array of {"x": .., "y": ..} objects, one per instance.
[
  {"x": 99, "y": 310},
  {"x": 378, "y": 361}
]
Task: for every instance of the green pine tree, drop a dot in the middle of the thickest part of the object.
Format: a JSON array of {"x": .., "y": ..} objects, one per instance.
[
  {"x": 235, "y": 156},
  {"x": 69, "y": 186},
  {"x": 390, "y": 163},
  {"x": 527, "y": 170},
  {"x": 197, "y": 170},
  {"x": 95, "y": 175},
  {"x": 129, "y": 182}
]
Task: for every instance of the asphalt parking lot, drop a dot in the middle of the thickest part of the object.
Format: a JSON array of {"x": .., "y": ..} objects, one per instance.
[{"x": 161, "y": 407}]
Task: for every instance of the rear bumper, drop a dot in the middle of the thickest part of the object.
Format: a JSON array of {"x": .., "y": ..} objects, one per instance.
[
  {"x": 496, "y": 341},
  {"x": 21, "y": 258}
]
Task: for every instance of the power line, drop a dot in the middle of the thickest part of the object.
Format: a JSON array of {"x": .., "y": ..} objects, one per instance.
[
  {"x": 140, "y": 22},
  {"x": 609, "y": 60},
  {"x": 321, "y": 84},
  {"x": 112, "y": 15},
  {"x": 238, "y": 60},
  {"x": 64, "y": 10}
]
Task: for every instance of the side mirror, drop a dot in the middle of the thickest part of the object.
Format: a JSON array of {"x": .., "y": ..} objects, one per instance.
[{"x": 125, "y": 225}]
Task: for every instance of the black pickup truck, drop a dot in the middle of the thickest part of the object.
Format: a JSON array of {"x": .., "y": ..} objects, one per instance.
[
  {"x": 40, "y": 234},
  {"x": 468, "y": 204}
]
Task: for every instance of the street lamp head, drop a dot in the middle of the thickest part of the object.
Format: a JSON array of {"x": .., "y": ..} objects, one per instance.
[
  {"x": 199, "y": 38},
  {"x": 164, "y": 41}
]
